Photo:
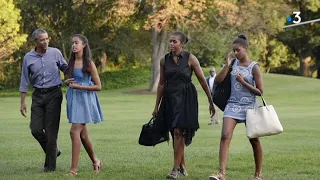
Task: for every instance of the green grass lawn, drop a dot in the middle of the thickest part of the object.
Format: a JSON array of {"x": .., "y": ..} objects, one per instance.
[{"x": 292, "y": 155}]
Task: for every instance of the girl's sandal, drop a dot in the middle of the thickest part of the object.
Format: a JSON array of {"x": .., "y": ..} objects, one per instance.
[
  {"x": 97, "y": 166},
  {"x": 258, "y": 178},
  {"x": 217, "y": 176},
  {"x": 72, "y": 173},
  {"x": 183, "y": 171},
  {"x": 173, "y": 174}
]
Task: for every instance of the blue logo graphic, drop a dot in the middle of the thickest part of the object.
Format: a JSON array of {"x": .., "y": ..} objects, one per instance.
[{"x": 296, "y": 19}]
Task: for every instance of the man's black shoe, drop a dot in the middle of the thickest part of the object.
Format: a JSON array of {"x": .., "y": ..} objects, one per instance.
[
  {"x": 47, "y": 169},
  {"x": 58, "y": 153}
]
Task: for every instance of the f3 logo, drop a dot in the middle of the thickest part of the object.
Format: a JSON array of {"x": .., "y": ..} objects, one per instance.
[{"x": 297, "y": 18}]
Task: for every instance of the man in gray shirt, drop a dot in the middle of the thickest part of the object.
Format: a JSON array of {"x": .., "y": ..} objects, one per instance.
[
  {"x": 210, "y": 81},
  {"x": 41, "y": 68}
]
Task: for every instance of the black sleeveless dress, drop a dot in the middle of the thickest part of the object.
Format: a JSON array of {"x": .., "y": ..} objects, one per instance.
[{"x": 180, "y": 99}]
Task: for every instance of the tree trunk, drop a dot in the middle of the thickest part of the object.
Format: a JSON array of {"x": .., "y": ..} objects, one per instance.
[
  {"x": 305, "y": 65},
  {"x": 305, "y": 62},
  {"x": 318, "y": 70},
  {"x": 64, "y": 52},
  {"x": 317, "y": 54},
  {"x": 104, "y": 62},
  {"x": 159, "y": 49}
]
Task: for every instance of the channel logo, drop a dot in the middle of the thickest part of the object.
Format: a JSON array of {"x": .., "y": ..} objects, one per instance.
[{"x": 296, "y": 19}]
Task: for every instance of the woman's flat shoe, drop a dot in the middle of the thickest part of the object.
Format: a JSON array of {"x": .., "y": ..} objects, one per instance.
[{"x": 183, "y": 171}]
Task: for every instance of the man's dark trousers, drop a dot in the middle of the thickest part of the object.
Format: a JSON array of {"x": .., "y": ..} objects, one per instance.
[{"x": 45, "y": 121}]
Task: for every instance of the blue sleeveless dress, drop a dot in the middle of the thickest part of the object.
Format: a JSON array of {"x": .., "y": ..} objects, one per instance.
[
  {"x": 241, "y": 99},
  {"x": 82, "y": 105}
]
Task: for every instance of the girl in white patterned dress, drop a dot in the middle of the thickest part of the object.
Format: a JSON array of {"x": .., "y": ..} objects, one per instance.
[{"x": 246, "y": 83}]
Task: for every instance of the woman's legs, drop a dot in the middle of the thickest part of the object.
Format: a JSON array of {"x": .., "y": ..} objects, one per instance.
[
  {"x": 227, "y": 131},
  {"x": 79, "y": 133},
  {"x": 88, "y": 144},
  {"x": 76, "y": 145},
  {"x": 178, "y": 149},
  {"x": 89, "y": 148},
  {"x": 257, "y": 153},
  {"x": 183, "y": 163}
]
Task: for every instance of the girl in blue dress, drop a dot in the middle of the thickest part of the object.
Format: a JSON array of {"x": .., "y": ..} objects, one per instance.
[
  {"x": 82, "y": 102},
  {"x": 246, "y": 83}
]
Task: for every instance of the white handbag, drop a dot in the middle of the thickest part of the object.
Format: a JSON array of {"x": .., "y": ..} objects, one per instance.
[{"x": 262, "y": 121}]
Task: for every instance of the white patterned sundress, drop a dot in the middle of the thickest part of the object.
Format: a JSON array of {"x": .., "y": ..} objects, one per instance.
[{"x": 241, "y": 98}]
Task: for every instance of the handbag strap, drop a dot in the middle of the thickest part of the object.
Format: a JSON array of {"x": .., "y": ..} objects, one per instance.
[
  {"x": 151, "y": 120},
  {"x": 231, "y": 65},
  {"x": 264, "y": 102}
]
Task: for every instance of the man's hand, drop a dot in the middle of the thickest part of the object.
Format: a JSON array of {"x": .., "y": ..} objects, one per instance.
[
  {"x": 69, "y": 81},
  {"x": 23, "y": 109},
  {"x": 74, "y": 86}
]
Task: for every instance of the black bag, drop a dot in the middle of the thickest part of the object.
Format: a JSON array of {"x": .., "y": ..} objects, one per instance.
[
  {"x": 221, "y": 92},
  {"x": 150, "y": 135}
]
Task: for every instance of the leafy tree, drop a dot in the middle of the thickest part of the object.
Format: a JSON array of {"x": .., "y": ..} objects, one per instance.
[
  {"x": 11, "y": 39},
  {"x": 166, "y": 16},
  {"x": 103, "y": 22},
  {"x": 10, "y": 36},
  {"x": 304, "y": 40}
]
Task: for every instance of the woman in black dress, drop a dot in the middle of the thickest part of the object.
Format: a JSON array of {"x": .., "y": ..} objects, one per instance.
[{"x": 179, "y": 99}]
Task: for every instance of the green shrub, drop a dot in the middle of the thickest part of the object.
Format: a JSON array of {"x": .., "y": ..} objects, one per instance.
[
  {"x": 124, "y": 78},
  {"x": 109, "y": 80}
]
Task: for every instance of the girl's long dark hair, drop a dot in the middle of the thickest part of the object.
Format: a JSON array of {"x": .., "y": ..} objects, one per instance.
[{"x": 86, "y": 57}]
